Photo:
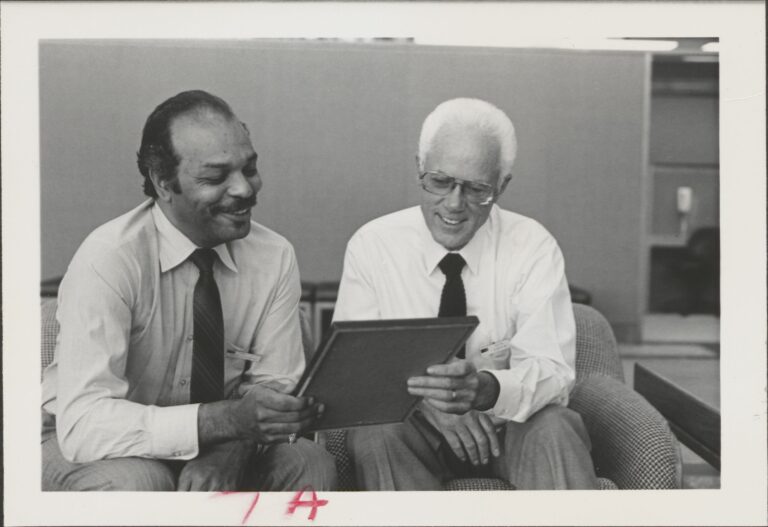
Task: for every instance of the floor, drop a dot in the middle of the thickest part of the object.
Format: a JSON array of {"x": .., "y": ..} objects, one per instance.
[
  {"x": 667, "y": 328},
  {"x": 685, "y": 350}
]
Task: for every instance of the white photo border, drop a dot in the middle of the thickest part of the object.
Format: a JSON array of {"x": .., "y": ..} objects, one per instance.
[{"x": 740, "y": 27}]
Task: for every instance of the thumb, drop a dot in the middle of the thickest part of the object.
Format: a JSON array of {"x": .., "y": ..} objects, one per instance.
[{"x": 285, "y": 387}]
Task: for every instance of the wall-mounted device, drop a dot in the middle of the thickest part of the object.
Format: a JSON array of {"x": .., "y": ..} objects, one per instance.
[{"x": 684, "y": 199}]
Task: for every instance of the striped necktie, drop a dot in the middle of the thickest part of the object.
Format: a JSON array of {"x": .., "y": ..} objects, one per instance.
[{"x": 208, "y": 349}]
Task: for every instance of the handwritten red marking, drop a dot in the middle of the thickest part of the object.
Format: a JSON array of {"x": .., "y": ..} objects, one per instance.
[
  {"x": 254, "y": 501},
  {"x": 314, "y": 503}
]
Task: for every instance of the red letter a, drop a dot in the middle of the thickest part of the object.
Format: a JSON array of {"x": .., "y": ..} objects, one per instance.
[{"x": 314, "y": 502}]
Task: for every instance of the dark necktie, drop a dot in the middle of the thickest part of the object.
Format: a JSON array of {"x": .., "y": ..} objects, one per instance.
[
  {"x": 208, "y": 349},
  {"x": 453, "y": 302}
]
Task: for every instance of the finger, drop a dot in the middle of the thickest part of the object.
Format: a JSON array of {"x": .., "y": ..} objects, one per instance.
[
  {"x": 443, "y": 395},
  {"x": 193, "y": 484},
  {"x": 445, "y": 383},
  {"x": 269, "y": 398},
  {"x": 184, "y": 484},
  {"x": 453, "y": 441},
  {"x": 278, "y": 386},
  {"x": 198, "y": 485},
  {"x": 224, "y": 485},
  {"x": 281, "y": 429},
  {"x": 469, "y": 445},
  {"x": 210, "y": 485},
  {"x": 456, "y": 407},
  {"x": 276, "y": 416},
  {"x": 470, "y": 381},
  {"x": 279, "y": 432},
  {"x": 490, "y": 432},
  {"x": 286, "y": 403},
  {"x": 457, "y": 368},
  {"x": 481, "y": 439}
]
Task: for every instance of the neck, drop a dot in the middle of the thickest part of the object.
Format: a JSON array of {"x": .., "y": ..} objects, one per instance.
[{"x": 168, "y": 213}]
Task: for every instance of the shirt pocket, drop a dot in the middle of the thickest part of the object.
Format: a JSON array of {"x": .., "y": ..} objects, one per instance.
[
  {"x": 238, "y": 357},
  {"x": 495, "y": 356}
]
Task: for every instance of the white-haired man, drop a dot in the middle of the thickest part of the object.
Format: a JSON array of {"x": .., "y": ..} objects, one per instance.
[{"x": 501, "y": 410}]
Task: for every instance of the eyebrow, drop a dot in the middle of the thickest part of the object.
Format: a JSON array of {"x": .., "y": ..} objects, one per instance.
[{"x": 252, "y": 158}]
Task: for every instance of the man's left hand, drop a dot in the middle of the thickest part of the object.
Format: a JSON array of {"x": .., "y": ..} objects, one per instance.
[
  {"x": 220, "y": 468},
  {"x": 471, "y": 434},
  {"x": 455, "y": 387}
]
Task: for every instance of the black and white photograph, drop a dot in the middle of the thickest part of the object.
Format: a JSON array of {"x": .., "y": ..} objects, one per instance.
[{"x": 375, "y": 272}]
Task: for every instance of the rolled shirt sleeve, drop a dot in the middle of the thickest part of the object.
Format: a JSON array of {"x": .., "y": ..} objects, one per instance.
[
  {"x": 543, "y": 349},
  {"x": 357, "y": 298},
  {"x": 278, "y": 338}
]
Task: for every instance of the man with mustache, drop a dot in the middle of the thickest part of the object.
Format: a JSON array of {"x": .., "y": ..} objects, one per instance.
[
  {"x": 143, "y": 393},
  {"x": 500, "y": 410}
]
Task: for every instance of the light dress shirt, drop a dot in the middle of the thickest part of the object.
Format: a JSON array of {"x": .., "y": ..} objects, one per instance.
[
  {"x": 515, "y": 284},
  {"x": 119, "y": 384}
]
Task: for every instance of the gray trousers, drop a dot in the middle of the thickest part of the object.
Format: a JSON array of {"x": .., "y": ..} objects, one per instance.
[
  {"x": 279, "y": 467},
  {"x": 549, "y": 451}
]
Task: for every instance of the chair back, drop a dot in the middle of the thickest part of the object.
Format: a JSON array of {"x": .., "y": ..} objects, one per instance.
[
  {"x": 49, "y": 329},
  {"x": 704, "y": 247},
  {"x": 596, "y": 349}
]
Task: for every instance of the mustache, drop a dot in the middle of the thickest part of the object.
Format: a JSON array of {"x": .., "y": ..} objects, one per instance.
[{"x": 237, "y": 205}]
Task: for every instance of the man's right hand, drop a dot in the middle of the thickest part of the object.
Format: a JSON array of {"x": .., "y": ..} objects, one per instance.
[
  {"x": 262, "y": 414},
  {"x": 269, "y": 416},
  {"x": 469, "y": 435}
]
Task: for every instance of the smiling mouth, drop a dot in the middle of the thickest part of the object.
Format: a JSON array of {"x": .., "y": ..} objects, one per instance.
[
  {"x": 449, "y": 221},
  {"x": 239, "y": 213}
]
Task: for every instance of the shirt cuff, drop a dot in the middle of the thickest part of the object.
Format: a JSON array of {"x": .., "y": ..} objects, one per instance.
[
  {"x": 496, "y": 388},
  {"x": 510, "y": 395},
  {"x": 175, "y": 432}
]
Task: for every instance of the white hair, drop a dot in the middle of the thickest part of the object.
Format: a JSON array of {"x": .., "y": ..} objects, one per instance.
[{"x": 479, "y": 115}]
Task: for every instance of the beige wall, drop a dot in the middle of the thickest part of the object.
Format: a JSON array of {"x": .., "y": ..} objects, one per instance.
[
  {"x": 684, "y": 129},
  {"x": 336, "y": 128}
]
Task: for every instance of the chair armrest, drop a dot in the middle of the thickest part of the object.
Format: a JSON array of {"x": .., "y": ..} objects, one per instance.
[
  {"x": 49, "y": 330},
  {"x": 632, "y": 444}
]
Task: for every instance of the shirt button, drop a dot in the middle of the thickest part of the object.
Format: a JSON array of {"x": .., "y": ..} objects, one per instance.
[
  {"x": 176, "y": 454},
  {"x": 190, "y": 337},
  {"x": 183, "y": 382}
]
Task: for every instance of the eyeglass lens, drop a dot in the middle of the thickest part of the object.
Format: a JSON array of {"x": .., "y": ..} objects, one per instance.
[{"x": 442, "y": 184}]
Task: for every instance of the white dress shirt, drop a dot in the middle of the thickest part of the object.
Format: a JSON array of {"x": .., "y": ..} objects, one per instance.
[
  {"x": 119, "y": 384},
  {"x": 515, "y": 284}
]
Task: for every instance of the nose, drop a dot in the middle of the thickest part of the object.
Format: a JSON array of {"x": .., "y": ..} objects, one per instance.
[
  {"x": 241, "y": 187},
  {"x": 455, "y": 199}
]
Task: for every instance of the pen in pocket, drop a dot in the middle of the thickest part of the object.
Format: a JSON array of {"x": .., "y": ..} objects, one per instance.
[
  {"x": 494, "y": 347},
  {"x": 241, "y": 355},
  {"x": 496, "y": 354}
]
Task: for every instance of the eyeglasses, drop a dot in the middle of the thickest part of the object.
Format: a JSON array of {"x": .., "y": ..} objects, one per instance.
[{"x": 443, "y": 184}]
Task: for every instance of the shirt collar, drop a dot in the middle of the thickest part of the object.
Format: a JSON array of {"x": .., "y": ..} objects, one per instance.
[
  {"x": 175, "y": 247},
  {"x": 471, "y": 252}
]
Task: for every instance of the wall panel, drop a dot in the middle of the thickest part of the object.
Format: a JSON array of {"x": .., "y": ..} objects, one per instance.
[{"x": 336, "y": 127}]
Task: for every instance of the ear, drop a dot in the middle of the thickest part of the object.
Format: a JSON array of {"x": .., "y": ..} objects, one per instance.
[
  {"x": 162, "y": 187},
  {"x": 504, "y": 184}
]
